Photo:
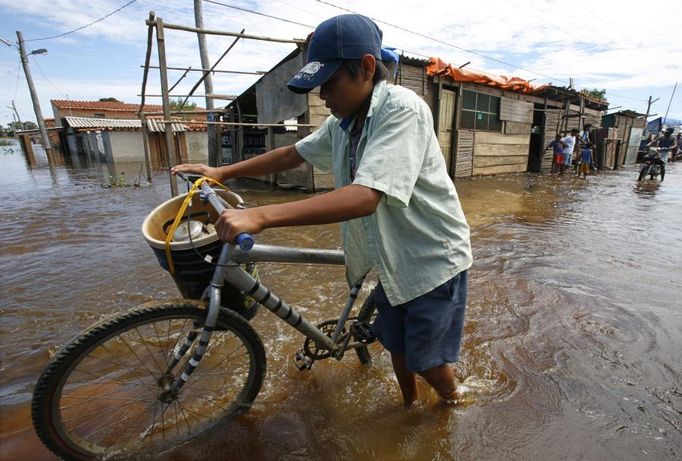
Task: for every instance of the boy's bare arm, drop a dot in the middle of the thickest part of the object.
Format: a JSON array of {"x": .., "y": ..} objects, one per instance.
[
  {"x": 274, "y": 161},
  {"x": 352, "y": 201}
]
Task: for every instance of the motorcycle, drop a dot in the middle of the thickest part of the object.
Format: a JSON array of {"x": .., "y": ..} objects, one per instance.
[{"x": 653, "y": 163}]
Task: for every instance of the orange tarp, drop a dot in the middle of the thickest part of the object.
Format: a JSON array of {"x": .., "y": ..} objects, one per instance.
[{"x": 437, "y": 66}]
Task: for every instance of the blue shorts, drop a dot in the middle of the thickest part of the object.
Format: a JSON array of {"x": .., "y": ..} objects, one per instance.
[{"x": 427, "y": 329}]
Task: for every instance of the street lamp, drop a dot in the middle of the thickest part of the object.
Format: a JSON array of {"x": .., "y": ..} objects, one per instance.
[{"x": 38, "y": 51}]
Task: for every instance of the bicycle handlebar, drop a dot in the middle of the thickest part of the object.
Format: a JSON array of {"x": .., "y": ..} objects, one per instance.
[{"x": 243, "y": 240}]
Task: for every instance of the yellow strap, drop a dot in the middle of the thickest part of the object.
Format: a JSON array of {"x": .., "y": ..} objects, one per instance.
[{"x": 180, "y": 214}]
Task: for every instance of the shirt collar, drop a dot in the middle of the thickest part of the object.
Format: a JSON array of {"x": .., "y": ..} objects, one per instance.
[{"x": 377, "y": 95}]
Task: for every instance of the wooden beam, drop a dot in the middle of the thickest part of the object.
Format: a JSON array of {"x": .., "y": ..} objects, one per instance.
[{"x": 231, "y": 34}]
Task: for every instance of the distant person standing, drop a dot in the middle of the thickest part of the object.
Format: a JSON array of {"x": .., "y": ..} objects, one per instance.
[
  {"x": 557, "y": 149},
  {"x": 586, "y": 143},
  {"x": 585, "y": 160},
  {"x": 569, "y": 142}
]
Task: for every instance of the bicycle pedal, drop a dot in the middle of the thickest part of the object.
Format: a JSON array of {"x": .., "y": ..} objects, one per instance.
[
  {"x": 362, "y": 332},
  {"x": 302, "y": 361}
]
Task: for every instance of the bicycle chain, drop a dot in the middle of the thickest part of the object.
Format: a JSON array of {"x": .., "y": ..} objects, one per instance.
[{"x": 313, "y": 350}]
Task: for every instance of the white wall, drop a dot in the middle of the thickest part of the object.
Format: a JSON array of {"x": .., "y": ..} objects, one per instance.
[
  {"x": 127, "y": 146},
  {"x": 197, "y": 146}
]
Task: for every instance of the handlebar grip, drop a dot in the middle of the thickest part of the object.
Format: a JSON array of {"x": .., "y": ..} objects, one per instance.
[{"x": 244, "y": 241}]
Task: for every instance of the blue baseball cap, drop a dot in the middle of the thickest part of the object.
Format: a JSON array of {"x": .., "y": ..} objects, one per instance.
[{"x": 348, "y": 36}]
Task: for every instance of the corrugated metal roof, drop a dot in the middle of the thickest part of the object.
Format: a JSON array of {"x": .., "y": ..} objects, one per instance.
[
  {"x": 103, "y": 123},
  {"x": 153, "y": 125},
  {"x": 156, "y": 126}
]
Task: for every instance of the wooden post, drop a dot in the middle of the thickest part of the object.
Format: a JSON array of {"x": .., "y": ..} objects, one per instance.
[
  {"x": 170, "y": 151},
  {"x": 455, "y": 131},
  {"x": 269, "y": 145},
  {"x": 145, "y": 144},
  {"x": 208, "y": 84},
  {"x": 27, "y": 147}
]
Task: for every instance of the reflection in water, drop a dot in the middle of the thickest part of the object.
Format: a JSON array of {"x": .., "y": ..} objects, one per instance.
[{"x": 571, "y": 347}]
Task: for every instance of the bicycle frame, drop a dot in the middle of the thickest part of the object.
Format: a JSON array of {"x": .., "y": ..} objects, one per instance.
[{"x": 228, "y": 269}]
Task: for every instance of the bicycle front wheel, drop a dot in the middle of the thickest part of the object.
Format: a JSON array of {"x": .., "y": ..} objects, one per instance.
[{"x": 103, "y": 394}]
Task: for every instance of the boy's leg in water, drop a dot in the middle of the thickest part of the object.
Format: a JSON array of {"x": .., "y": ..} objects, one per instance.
[
  {"x": 442, "y": 379},
  {"x": 406, "y": 379}
]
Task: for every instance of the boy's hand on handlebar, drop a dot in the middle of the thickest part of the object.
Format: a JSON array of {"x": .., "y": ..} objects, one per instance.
[
  {"x": 193, "y": 168},
  {"x": 232, "y": 222}
]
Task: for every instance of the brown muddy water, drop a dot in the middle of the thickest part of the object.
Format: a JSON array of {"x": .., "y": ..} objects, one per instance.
[{"x": 572, "y": 342}]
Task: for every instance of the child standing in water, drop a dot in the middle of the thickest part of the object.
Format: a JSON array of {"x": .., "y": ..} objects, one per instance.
[
  {"x": 398, "y": 208},
  {"x": 557, "y": 147},
  {"x": 586, "y": 159}
]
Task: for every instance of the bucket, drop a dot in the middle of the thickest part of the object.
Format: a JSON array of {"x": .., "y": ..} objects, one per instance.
[{"x": 192, "y": 273}]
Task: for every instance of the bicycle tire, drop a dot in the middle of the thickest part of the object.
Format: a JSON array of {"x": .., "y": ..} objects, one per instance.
[
  {"x": 367, "y": 314},
  {"x": 123, "y": 385}
]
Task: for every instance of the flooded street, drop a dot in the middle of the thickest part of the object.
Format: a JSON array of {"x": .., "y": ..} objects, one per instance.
[{"x": 572, "y": 341}]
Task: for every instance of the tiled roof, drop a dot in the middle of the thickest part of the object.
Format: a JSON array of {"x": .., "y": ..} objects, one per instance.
[{"x": 102, "y": 105}]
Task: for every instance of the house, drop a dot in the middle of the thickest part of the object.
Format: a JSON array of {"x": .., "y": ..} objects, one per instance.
[
  {"x": 112, "y": 131},
  {"x": 121, "y": 140},
  {"x": 627, "y": 129},
  {"x": 97, "y": 109},
  {"x": 486, "y": 124}
]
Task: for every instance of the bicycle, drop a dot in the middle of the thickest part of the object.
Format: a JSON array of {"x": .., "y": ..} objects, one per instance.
[{"x": 156, "y": 376}]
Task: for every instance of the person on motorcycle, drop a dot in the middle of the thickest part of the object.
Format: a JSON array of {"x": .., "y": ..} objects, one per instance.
[{"x": 664, "y": 142}]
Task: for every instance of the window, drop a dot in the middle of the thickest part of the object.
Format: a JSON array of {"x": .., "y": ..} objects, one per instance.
[
  {"x": 100, "y": 115},
  {"x": 480, "y": 111}
]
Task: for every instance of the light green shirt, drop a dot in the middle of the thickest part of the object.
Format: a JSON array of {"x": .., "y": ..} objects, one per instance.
[{"x": 418, "y": 237}]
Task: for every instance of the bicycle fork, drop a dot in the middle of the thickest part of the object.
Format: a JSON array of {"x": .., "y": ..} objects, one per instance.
[{"x": 172, "y": 390}]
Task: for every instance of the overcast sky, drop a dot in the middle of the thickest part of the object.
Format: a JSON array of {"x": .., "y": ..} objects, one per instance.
[{"x": 631, "y": 51}]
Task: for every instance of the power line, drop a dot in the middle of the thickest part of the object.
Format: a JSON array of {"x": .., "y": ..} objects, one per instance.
[
  {"x": 445, "y": 43},
  {"x": 16, "y": 88},
  {"x": 35, "y": 61},
  {"x": 258, "y": 13},
  {"x": 83, "y": 27},
  {"x": 246, "y": 10}
]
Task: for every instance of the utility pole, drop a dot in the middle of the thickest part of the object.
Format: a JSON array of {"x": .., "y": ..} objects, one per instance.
[
  {"x": 208, "y": 85},
  {"x": 14, "y": 108},
  {"x": 648, "y": 109},
  {"x": 670, "y": 102},
  {"x": 34, "y": 97}
]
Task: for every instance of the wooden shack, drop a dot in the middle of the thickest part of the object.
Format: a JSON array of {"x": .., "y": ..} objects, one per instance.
[
  {"x": 627, "y": 131},
  {"x": 485, "y": 124}
]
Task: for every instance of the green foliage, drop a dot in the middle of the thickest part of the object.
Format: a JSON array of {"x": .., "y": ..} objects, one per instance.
[
  {"x": 108, "y": 100},
  {"x": 595, "y": 93},
  {"x": 177, "y": 103},
  {"x": 14, "y": 126}
]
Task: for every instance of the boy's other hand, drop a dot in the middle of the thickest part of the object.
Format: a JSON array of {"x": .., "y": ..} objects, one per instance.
[{"x": 192, "y": 168}]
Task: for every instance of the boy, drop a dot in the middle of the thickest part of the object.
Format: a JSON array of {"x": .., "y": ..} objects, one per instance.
[
  {"x": 569, "y": 143},
  {"x": 586, "y": 159},
  {"x": 399, "y": 209},
  {"x": 557, "y": 148}
]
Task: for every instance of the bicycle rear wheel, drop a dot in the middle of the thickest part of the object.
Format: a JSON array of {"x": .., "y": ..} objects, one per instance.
[
  {"x": 368, "y": 313},
  {"x": 102, "y": 394}
]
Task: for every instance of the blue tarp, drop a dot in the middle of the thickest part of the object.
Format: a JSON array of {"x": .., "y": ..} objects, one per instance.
[{"x": 657, "y": 124}]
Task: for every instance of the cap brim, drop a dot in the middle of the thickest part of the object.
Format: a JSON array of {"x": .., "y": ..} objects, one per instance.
[{"x": 305, "y": 80}]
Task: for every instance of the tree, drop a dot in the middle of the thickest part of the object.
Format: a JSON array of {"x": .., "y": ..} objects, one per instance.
[
  {"x": 595, "y": 93},
  {"x": 16, "y": 126},
  {"x": 108, "y": 100},
  {"x": 176, "y": 103}
]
